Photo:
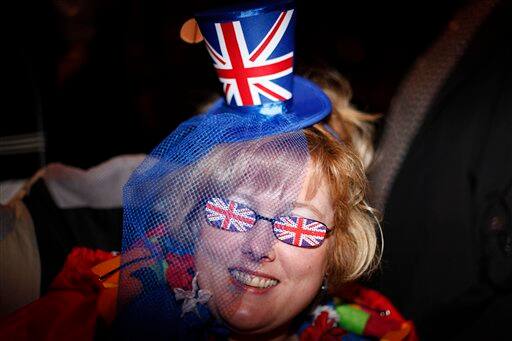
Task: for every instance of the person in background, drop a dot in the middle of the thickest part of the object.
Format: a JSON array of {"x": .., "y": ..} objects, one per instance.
[{"x": 442, "y": 178}]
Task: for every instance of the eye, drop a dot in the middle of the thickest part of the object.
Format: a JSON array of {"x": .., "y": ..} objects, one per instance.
[
  {"x": 229, "y": 215},
  {"x": 299, "y": 231},
  {"x": 305, "y": 210}
]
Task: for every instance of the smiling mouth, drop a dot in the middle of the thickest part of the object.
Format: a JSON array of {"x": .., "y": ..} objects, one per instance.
[{"x": 252, "y": 280}]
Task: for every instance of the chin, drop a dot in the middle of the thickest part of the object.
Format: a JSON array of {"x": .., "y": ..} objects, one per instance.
[
  {"x": 257, "y": 314},
  {"x": 251, "y": 321},
  {"x": 259, "y": 325},
  {"x": 260, "y": 317}
]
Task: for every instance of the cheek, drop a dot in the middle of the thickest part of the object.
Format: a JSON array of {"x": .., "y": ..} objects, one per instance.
[
  {"x": 215, "y": 252},
  {"x": 215, "y": 248},
  {"x": 218, "y": 242},
  {"x": 304, "y": 267},
  {"x": 304, "y": 271}
]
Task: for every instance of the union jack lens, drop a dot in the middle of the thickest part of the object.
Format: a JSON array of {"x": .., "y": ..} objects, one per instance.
[
  {"x": 299, "y": 231},
  {"x": 229, "y": 215}
]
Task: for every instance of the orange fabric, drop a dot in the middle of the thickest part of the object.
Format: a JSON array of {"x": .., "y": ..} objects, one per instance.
[
  {"x": 108, "y": 269},
  {"x": 107, "y": 299}
]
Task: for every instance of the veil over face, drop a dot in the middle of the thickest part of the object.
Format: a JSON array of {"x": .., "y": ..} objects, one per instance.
[
  {"x": 209, "y": 202},
  {"x": 189, "y": 225}
]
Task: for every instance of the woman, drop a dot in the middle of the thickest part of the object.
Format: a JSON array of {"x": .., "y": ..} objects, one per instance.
[
  {"x": 245, "y": 212},
  {"x": 239, "y": 221}
]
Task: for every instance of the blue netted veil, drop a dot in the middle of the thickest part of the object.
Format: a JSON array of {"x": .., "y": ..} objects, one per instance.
[{"x": 176, "y": 273}]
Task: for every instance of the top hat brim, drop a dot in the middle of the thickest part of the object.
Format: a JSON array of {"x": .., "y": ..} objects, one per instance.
[{"x": 308, "y": 106}]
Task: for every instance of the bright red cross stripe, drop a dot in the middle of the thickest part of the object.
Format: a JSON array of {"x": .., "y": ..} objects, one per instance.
[{"x": 270, "y": 92}]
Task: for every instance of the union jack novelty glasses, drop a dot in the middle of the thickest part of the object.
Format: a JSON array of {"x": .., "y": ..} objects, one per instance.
[{"x": 232, "y": 216}]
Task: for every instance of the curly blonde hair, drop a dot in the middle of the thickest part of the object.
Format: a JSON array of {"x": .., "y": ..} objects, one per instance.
[
  {"x": 354, "y": 245},
  {"x": 342, "y": 160},
  {"x": 353, "y": 126}
]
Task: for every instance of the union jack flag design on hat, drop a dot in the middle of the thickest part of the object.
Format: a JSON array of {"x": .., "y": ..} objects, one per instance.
[
  {"x": 229, "y": 215},
  {"x": 299, "y": 231},
  {"x": 253, "y": 57}
]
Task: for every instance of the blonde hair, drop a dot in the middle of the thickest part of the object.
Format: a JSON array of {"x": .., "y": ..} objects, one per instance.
[
  {"x": 353, "y": 248},
  {"x": 343, "y": 160},
  {"x": 353, "y": 126}
]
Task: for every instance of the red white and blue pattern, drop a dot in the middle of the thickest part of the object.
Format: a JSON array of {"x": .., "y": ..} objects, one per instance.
[
  {"x": 300, "y": 231},
  {"x": 250, "y": 76},
  {"x": 229, "y": 215}
]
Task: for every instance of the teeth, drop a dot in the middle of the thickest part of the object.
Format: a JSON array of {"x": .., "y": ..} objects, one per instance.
[{"x": 253, "y": 281}]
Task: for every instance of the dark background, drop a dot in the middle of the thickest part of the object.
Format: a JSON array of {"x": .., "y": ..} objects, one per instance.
[{"x": 101, "y": 78}]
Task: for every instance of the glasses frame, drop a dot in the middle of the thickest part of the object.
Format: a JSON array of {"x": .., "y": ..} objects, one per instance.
[{"x": 271, "y": 220}]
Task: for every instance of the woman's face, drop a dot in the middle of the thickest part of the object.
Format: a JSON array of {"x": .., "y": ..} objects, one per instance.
[{"x": 258, "y": 283}]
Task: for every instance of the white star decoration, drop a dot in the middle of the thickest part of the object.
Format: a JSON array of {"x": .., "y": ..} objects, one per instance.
[{"x": 192, "y": 298}]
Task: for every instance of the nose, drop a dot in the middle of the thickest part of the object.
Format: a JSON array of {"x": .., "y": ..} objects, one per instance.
[{"x": 259, "y": 243}]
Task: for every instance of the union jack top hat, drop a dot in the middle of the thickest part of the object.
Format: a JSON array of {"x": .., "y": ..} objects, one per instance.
[{"x": 252, "y": 48}]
